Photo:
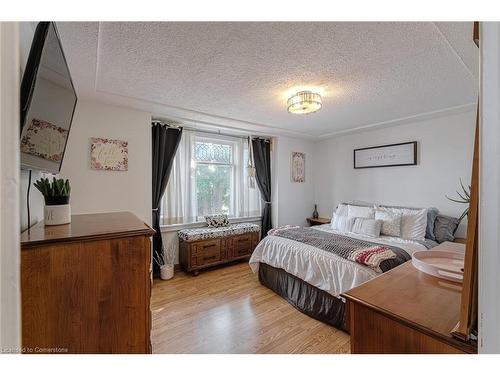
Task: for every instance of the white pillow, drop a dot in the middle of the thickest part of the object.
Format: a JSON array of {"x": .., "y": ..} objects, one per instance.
[
  {"x": 342, "y": 224},
  {"x": 342, "y": 209},
  {"x": 391, "y": 222},
  {"x": 359, "y": 211},
  {"x": 367, "y": 227},
  {"x": 413, "y": 222}
]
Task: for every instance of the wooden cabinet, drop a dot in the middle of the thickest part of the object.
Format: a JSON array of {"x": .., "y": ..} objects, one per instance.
[
  {"x": 196, "y": 255},
  {"x": 405, "y": 311},
  {"x": 86, "y": 286}
]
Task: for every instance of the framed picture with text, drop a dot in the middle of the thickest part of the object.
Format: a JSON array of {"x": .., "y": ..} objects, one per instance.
[
  {"x": 108, "y": 154},
  {"x": 393, "y": 155}
]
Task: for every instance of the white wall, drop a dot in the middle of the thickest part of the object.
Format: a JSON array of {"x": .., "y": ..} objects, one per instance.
[
  {"x": 293, "y": 202},
  {"x": 445, "y": 147},
  {"x": 106, "y": 191}
]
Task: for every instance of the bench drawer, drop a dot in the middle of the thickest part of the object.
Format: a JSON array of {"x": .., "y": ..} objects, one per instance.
[
  {"x": 242, "y": 245},
  {"x": 206, "y": 259},
  {"x": 203, "y": 253},
  {"x": 203, "y": 247}
]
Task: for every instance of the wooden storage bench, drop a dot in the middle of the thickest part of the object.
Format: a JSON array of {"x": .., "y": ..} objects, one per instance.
[{"x": 206, "y": 247}]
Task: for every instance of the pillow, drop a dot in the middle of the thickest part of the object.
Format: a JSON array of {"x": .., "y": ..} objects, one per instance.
[
  {"x": 342, "y": 209},
  {"x": 359, "y": 211},
  {"x": 391, "y": 222},
  {"x": 445, "y": 228},
  {"x": 432, "y": 213},
  {"x": 215, "y": 221},
  {"x": 343, "y": 224},
  {"x": 413, "y": 222},
  {"x": 367, "y": 227}
]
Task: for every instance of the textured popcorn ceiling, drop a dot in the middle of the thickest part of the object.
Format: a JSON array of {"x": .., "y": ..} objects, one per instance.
[{"x": 238, "y": 74}]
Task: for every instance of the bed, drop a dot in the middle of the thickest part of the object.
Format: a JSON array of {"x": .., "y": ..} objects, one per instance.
[{"x": 306, "y": 267}]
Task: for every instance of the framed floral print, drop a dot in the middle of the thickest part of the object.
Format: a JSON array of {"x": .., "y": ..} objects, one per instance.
[{"x": 108, "y": 154}]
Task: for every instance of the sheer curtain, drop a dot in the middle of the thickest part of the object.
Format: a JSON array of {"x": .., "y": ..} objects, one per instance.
[{"x": 178, "y": 203}]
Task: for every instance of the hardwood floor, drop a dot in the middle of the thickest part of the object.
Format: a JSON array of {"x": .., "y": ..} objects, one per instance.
[{"x": 226, "y": 310}]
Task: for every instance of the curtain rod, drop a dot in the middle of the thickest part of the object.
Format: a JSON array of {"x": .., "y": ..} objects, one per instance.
[{"x": 178, "y": 127}]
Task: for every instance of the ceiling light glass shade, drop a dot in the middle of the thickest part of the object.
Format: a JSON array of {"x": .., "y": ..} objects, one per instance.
[{"x": 304, "y": 102}]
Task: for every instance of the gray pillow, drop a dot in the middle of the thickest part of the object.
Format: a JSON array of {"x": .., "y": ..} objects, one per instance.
[
  {"x": 432, "y": 213},
  {"x": 368, "y": 227},
  {"x": 445, "y": 228}
]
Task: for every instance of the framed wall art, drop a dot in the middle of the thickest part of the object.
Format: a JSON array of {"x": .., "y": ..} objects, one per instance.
[
  {"x": 298, "y": 167},
  {"x": 393, "y": 155},
  {"x": 108, "y": 154}
]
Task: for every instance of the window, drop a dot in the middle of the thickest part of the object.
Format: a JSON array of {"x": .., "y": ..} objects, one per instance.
[
  {"x": 209, "y": 176},
  {"x": 214, "y": 177}
]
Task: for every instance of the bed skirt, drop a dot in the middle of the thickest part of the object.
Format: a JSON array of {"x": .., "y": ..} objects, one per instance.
[{"x": 306, "y": 298}]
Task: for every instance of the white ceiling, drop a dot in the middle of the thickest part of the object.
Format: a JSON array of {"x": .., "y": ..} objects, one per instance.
[{"x": 237, "y": 74}]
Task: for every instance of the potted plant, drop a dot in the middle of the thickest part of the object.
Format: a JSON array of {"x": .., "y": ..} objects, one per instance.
[
  {"x": 165, "y": 261},
  {"x": 464, "y": 198},
  {"x": 56, "y": 194}
]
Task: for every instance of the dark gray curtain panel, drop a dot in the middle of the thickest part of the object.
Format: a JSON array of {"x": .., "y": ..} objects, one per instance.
[
  {"x": 262, "y": 160},
  {"x": 165, "y": 142}
]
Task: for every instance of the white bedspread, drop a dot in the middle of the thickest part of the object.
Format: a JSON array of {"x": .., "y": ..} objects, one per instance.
[{"x": 324, "y": 270}]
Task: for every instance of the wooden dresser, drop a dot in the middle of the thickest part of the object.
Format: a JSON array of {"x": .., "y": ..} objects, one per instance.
[
  {"x": 85, "y": 286},
  {"x": 405, "y": 311},
  {"x": 197, "y": 255}
]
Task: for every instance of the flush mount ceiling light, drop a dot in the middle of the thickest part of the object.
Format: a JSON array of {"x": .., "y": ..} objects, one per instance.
[{"x": 304, "y": 102}]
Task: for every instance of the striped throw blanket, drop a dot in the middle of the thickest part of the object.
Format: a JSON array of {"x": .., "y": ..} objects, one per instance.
[{"x": 380, "y": 258}]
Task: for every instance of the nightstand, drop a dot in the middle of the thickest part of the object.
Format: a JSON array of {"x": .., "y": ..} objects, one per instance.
[{"x": 318, "y": 221}]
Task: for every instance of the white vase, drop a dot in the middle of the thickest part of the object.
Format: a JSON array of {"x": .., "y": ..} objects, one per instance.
[
  {"x": 57, "y": 214},
  {"x": 167, "y": 272}
]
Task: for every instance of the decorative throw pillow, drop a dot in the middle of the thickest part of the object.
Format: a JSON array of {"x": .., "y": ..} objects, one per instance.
[
  {"x": 367, "y": 227},
  {"x": 359, "y": 211},
  {"x": 413, "y": 221},
  {"x": 445, "y": 228},
  {"x": 391, "y": 222},
  {"x": 217, "y": 221},
  {"x": 432, "y": 213},
  {"x": 342, "y": 224}
]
